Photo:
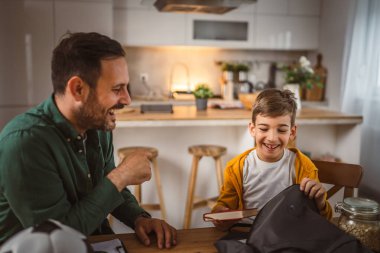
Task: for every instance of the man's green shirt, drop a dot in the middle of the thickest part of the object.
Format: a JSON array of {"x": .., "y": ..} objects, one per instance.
[{"x": 47, "y": 170}]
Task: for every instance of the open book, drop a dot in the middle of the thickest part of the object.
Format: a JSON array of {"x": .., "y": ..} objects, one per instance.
[{"x": 230, "y": 214}]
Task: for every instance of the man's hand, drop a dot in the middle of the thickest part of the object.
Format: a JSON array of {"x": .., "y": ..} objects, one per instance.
[
  {"x": 314, "y": 189},
  {"x": 223, "y": 225},
  {"x": 133, "y": 170},
  {"x": 166, "y": 234}
]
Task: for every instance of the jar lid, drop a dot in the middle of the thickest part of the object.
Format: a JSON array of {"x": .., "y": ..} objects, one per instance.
[{"x": 361, "y": 206}]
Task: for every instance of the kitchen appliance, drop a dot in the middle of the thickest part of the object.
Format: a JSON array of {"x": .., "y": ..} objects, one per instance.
[
  {"x": 158, "y": 108},
  {"x": 199, "y": 6}
]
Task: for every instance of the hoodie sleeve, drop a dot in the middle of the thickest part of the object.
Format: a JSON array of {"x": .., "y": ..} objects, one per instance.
[
  {"x": 231, "y": 193},
  {"x": 306, "y": 168}
]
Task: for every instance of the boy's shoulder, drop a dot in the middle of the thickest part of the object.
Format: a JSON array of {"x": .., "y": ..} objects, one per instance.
[
  {"x": 302, "y": 160},
  {"x": 237, "y": 162},
  {"x": 298, "y": 153}
]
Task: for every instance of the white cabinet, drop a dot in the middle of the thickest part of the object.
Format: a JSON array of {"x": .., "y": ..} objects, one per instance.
[
  {"x": 136, "y": 24},
  {"x": 268, "y": 25},
  {"x": 288, "y": 7},
  {"x": 272, "y": 7},
  {"x": 304, "y": 7},
  {"x": 83, "y": 16},
  {"x": 146, "y": 27},
  {"x": 231, "y": 30},
  {"x": 139, "y": 24},
  {"x": 286, "y": 32},
  {"x": 291, "y": 25}
]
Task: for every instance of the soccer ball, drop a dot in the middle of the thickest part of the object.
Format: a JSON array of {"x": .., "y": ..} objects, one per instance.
[{"x": 47, "y": 237}]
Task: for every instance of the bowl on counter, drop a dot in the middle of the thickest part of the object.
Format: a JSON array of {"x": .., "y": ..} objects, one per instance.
[{"x": 247, "y": 99}]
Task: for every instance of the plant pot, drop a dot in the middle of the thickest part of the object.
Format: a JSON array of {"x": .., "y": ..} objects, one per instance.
[
  {"x": 295, "y": 88},
  {"x": 201, "y": 104}
]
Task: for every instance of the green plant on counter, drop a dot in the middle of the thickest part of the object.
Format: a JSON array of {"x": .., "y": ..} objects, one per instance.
[
  {"x": 228, "y": 66},
  {"x": 202, "y": 91},
  {"x": 241, "y": 67}
]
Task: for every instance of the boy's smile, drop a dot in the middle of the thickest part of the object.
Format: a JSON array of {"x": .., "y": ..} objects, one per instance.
[{"x": 272, "y": 135}]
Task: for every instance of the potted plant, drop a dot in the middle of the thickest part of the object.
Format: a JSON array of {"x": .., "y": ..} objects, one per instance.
[
  {"x": 242, "y": 72},
  {"x": 302, "y": 74},
  {"x": 228, "y": 71},
  {"x": 201, "y": 93}
]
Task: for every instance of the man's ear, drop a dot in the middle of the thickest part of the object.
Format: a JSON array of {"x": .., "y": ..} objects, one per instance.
[{"x": 77, "y": 88}]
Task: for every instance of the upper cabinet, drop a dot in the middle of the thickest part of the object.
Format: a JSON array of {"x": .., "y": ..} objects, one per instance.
[
  {"x": 132, "y": 26},
  {"x": 231, "y": 30},
  {"x": 268, "y": 25},
  {"x": 83, "y": 16},
  {"x": 136, "y": 24},
  {"x": 287, "y": 24},
  {"x": 146, "y": 27}
]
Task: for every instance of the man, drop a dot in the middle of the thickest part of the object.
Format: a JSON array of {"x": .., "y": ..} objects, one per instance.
[{"x": 56, "y": 160}]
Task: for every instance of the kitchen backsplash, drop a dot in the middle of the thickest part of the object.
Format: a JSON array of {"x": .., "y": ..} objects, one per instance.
[{"x": 157, "y": 64}]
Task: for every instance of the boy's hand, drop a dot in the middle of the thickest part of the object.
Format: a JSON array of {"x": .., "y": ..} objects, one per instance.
[
  {"x": 314, "y": 189},
  {"x": 221, "y": 224}
]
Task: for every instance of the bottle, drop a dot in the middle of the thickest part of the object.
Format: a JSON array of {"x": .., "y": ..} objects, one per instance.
[
  {"x": 360, "y": 217},
  {"x": 321, "y": 71},
  {"x": 228, "y": 86}
]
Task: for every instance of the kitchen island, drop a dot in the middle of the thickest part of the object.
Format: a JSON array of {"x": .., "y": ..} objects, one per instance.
[
  {"x": 319, "y": 132},
  {"x": 189, "y": 116}
]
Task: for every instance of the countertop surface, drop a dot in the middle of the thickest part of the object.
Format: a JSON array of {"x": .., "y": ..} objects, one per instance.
[{"x": 189, "y": 116}]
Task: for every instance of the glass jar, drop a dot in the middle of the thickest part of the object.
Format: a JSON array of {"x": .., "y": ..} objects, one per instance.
[{"x": 360, "y": 217}]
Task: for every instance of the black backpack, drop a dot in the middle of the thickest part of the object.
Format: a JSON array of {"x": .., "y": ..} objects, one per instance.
[{"x": 290, "y": 223}]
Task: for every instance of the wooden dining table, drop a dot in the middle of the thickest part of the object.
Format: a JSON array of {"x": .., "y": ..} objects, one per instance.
[{"x": 196, "y": 240}]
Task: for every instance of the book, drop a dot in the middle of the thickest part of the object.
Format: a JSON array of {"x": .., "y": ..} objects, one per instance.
[
  {"x": 110, "y": 246},
  {"x": 230, "y": 214}
]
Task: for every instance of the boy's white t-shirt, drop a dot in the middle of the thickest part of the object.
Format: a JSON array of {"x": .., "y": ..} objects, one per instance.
[{"x": 263, "y": 180}]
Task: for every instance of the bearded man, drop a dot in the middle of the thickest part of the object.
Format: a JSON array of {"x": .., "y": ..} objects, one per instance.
[{"x": 57, "y": 159}]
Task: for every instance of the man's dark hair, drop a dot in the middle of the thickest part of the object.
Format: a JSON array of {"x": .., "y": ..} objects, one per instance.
[
  {"x": 274, "y": 103},
  {"x": 81, "y": 54}
]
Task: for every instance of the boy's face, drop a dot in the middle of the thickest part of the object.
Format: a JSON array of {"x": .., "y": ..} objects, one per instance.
[{"x": 272, "y": 135}]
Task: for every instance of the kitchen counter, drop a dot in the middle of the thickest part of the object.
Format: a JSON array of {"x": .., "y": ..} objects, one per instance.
[{"x": 189, "y": 116}]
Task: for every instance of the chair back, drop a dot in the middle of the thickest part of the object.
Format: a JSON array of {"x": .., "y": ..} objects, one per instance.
[{"x": 340, "y": 175}]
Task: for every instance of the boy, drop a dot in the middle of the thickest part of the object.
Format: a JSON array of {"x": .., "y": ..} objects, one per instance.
[{"x": 254, "y": 177}]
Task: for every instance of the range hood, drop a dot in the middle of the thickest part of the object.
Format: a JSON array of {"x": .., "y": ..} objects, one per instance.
[{"x": 199, "y": 6}]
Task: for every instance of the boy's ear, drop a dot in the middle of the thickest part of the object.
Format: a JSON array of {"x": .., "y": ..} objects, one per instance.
[
  {"x": 293, "y": 133},
  {"x": 77, "y": 88},
  {"x": 252, "y": 128}
]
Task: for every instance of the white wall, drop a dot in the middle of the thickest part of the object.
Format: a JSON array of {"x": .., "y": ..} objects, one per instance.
[
  {"x": 158, "y": 62},
  {"x": 334, "y": 20}
]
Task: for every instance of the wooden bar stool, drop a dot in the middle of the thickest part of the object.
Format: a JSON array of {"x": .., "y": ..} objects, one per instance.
[
  {"x": 198, "y": 152},
  {"x": 124, "y": 152}
]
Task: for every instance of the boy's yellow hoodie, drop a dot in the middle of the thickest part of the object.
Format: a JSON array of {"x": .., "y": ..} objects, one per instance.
[{"x": 231, "y": 194}]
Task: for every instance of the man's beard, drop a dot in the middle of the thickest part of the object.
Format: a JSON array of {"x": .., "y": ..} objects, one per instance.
[{"x": 93, "y": 116}]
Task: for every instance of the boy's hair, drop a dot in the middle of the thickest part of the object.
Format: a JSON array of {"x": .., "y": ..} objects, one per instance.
[
  {"x": 274, "y": 103},
  {"x": 81, "y": 54}
]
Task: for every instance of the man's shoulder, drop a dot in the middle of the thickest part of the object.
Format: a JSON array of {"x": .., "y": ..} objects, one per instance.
[{"x": 30, "y": 123}]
